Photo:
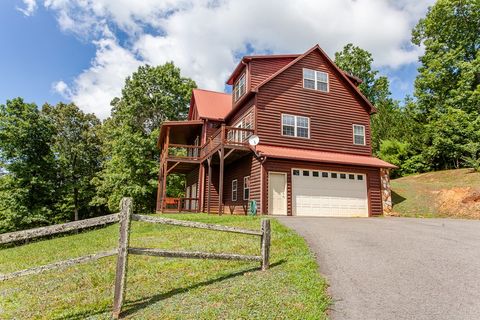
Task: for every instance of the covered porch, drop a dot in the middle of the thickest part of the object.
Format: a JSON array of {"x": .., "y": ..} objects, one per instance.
[{"x": 183, "y": 151}]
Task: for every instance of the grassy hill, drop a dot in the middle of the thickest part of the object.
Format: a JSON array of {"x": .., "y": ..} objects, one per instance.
[
  {"x": 449, "y": 193},
  {"x": 161, "y": 288}
]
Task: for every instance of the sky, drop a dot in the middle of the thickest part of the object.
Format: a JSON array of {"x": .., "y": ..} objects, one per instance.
[{"x": 82, "y": 50}]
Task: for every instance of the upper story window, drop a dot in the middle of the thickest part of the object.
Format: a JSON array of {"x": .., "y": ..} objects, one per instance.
[
  {"x": 316, "y": 80},
  {"x": 247, "y": 122},
  {"x": 239, "y": 87},
  {"x": 295, "y": 126},
  {"x": 359, "y": 134}
]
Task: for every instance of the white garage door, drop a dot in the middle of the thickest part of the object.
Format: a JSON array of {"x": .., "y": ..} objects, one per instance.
[{"x": 329, "y": 193}]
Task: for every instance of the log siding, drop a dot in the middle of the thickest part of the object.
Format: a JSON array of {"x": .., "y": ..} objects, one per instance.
[{"x": 331, "y": 114}]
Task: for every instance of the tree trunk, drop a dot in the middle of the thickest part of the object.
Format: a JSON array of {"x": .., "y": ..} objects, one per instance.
[{"x": 75, "y": 204}]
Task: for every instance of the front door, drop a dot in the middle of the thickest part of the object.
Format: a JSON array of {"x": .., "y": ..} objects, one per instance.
[{"x": 277, "y": 193}]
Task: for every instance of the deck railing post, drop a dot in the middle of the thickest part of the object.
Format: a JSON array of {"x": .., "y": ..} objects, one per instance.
[
  {"x": 126, "y": 208},
  {"x": 265, "y": 244}
]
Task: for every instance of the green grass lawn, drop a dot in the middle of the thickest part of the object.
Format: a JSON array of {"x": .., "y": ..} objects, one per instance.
[
  {"x": 449, "y": 193},
  {"x": 164, "y": 288}
]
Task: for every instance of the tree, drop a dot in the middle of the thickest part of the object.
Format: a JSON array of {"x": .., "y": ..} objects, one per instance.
[
  {"x": 150, "y": 96},
  {"x": 387, "y": 120},
  {"x": 27, "y": 190},
  {"x": 450, "y": 136},
  {"x": 77, "y": 149},
  {"x": 449, "y": 74}
]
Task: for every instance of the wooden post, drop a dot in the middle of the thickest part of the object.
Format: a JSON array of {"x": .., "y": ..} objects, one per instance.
[
  {"x": 126, "y": 208},
  {"x": 220, "y": 180},
  {"x": 165, "y": 171},
  {"x": 265, "y": 247},
  {"x": 209, "y": 161}
]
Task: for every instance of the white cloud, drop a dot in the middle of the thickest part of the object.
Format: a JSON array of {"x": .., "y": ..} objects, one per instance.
[
  {"x": 30, "y": 7},
  {"x": 205, "y": 38},
  {"x": 62, "y": 88},
  {"x": 94, "y": 88}
]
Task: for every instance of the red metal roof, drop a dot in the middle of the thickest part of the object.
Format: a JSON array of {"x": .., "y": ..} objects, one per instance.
[
  {"x": 321, "y": 156},
  {"x": 211, "y": 104}
]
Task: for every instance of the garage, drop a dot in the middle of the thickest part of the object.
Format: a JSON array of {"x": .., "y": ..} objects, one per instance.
[{"x": 329, "y": 193}]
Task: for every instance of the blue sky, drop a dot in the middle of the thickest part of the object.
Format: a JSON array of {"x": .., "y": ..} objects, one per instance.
[
  {"x": 67, "y": 50},
  {"x": 35, "y": 53}
]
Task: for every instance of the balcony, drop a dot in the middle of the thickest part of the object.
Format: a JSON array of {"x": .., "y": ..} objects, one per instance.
[{"x": 228, "y": 137}]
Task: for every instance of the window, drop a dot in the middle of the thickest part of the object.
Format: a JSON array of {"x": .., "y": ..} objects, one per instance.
[
  {"x": 343, "y": 176},
  {"x": 316, "y": 80},
  {"x": 239, "y": 87},
  {"x": 295, "y": 126},
  {"x": 359, "y": 134},
  {"x": 306, "y": 173},
  {"x": 315, "y": 173},
  {"x": 296, "y": 172},
  {"x": 246, "y": 188},
  {"x": 351, "y": 176},
  {"x": 234, "y": 190},
  {"x": 333, "y": 175},
  {"x": 247, "y": 122},
  {"x": 359, "y": 177},
  {"x": 324, "y": 174}
]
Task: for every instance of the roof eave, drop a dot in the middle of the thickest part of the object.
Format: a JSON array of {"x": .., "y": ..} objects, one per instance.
[{"x": 387, "y": 165}]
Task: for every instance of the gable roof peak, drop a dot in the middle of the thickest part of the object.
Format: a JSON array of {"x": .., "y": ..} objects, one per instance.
[{"x": 342, "y": 74}]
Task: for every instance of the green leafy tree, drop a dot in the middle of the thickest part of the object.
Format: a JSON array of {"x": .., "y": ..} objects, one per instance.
[
  {"x": 472, "y": 157},
  {"x": 77, "y": 149},
  {"x": 27, "y": 190},
  {"x": 387, "y": 122},
  {"x": 449, "y": 74},
  {"x": 150, "y": 96},
  {"x": 448, "y": 134}
]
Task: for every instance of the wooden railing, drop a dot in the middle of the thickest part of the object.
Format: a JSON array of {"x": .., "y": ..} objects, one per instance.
[
  {"x": 183, "y": 151},
  {"x": 124, "y": 218},
  {"x": 237, "y": 136},
  {"x": 225, "y": 135},
  {"x": 182, "y": 204}
]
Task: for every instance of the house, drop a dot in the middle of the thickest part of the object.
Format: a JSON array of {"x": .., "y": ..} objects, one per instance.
[{"x": 313, "y": 156}]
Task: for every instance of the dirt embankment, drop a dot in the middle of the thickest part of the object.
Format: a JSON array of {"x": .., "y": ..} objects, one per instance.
[{"x": 461, "y": 202}]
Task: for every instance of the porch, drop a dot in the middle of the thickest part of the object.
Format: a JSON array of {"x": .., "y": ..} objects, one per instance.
[{"x": 182, "y": 153}]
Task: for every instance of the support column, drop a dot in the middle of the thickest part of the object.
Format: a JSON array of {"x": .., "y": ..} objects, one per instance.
[
  {"x": 220, "y": 181},
  {"x": 209, "y": 183},
  {"x": 222, "y": 165},
  {"x": 386, "y": 192},
  {"x": 165, "y": 168}
]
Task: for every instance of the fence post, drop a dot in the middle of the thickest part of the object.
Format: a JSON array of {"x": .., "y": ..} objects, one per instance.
[
  {"x": 126, "y": 208},
  {"x": 265, "y": 244}
]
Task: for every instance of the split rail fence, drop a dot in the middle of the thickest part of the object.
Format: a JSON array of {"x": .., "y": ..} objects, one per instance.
[{"x": 124, "y": 217}]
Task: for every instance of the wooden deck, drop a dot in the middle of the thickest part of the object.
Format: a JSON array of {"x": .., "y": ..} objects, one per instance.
[{"x": 226, "y": 144}]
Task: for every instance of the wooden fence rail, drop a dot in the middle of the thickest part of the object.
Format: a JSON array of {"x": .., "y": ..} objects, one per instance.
[
  {"x": 58, "y": 265},
  {"x": 191, "y": 224},
  {"x": 125, "y": 217},
  {"x": 57, "y": 228}
]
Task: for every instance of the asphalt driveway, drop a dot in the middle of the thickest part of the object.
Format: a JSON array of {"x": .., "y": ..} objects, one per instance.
[{"x": 397, "y": 268}]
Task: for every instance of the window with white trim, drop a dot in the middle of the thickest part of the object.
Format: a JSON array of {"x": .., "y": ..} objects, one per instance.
[
  {"x": 316, "y": 80},
  {"x": 295, "y": 126},
  {"x": 234, "y": 190},
  {"x": 359, "y": 134},
  {"x": 246, "y": 188},
  {"x": 239, "y": 87},
  {"x": 247, "y": 122}
]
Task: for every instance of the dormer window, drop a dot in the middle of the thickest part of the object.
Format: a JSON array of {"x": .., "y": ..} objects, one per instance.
[
  {"x": 239, "y": 88},
  {"x": 315, "y": 80}
]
